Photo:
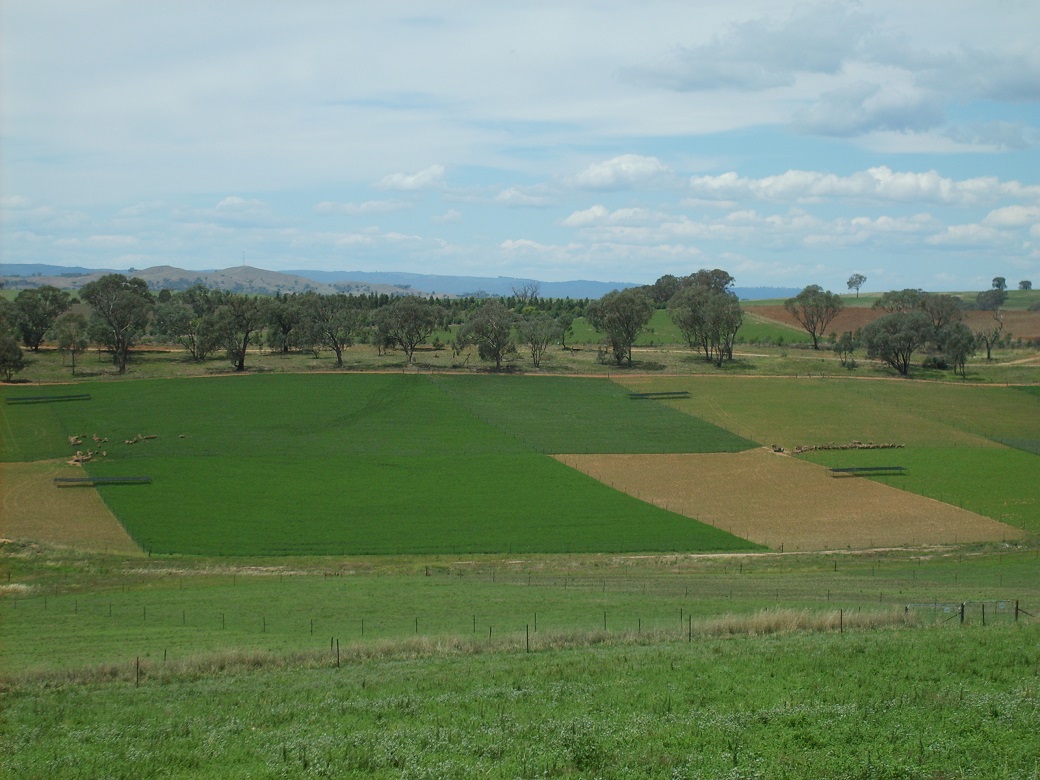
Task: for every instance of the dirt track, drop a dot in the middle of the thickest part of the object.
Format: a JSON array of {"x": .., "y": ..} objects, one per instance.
[{"x": 778, "y": 500}]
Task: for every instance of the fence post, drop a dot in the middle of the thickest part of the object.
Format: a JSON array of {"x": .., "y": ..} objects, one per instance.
[
  {"x": 529, "y": 637},
  {"x": 1016, "y": 610},
  {"x": 962, "y": 613}
]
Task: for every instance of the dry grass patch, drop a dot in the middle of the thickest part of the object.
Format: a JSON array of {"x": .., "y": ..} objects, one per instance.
[
  {"x": 33, "y": 509},
  {"x": 780, "y": 501}
]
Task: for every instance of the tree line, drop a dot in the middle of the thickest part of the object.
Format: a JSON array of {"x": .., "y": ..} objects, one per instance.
[{"x": 205, "y": 321}]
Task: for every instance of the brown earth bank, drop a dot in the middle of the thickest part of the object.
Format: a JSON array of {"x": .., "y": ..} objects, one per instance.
[
  {"x": 33, "y": 509},
  {"x": 1020, "y": 324},
  {"x": 785, "y": 503}
]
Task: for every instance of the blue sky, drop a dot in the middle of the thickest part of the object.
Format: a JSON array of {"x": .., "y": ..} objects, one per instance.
[{"x": 787, "y": 143}]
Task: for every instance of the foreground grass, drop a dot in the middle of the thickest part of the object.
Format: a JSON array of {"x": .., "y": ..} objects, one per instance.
[{"x": 911, "y": 703}]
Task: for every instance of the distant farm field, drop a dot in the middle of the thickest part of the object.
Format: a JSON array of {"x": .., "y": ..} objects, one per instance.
[
  {"x": 797, "y": 412},
  {"x": 370, "y": 464}
]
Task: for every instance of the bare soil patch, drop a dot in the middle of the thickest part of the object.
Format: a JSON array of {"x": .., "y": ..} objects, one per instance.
[
  {"x": 777, "y": 500},
  {"x": 33, "y": 509}
]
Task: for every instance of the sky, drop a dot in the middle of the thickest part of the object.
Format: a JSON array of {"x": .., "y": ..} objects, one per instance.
[{"x": 786, "y": 143}]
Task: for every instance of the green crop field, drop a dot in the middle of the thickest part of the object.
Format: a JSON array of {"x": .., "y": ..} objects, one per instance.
[{"x": 374, "y": 464}]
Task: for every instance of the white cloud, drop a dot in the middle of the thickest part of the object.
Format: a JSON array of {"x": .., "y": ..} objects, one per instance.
[
  {"x": 423, "y": 180},
  {"x": 626, "y": 171},
  {"x": 98, "y": 241},
  {"x": 880, "y": 184},
  {"x": 587, "y": 216},
  {"x": 759, "y": 54},
  {"x": 362, "y": 209},
  {"x": 448, "y": 217},
  {"x": 518, "y": 197},
  {"x": 966, "y": 236},
  {"x": 862, "y": 107},
  {"x": 1013, "y": 216}
]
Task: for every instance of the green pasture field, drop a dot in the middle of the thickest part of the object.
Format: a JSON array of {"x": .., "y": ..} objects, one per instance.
[
  {"x": 369, "y": 464},
  {"x": 794, "y": 412},
  {"x": 1000, "y": 483},
  {"x": 944, "y": 702},
  {"x": 79, "y": 611}
]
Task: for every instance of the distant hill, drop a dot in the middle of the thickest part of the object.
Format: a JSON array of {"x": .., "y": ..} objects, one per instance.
[
  {"x": 258, "y": 281},
  {"x": 469, "y": 285},
  {"x": 244, "y": 279}
]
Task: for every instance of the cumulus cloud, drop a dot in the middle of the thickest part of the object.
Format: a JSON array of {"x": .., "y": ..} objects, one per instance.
[
  {"x": 424, "y": 179},
  {"x": 880, "y": 183},
  {"x": 626, "y": 171},
  {"x": 1013, "y": 217},
  {"x": 966, "y": 236}
]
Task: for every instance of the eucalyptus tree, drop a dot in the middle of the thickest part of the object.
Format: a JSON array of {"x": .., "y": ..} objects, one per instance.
[
  {"x": 70, "y": 334},
  {"x": 621, "y": 316},
  {"x": 120, "y": 311},
  {"x": 331, "y": 321},
  {"x": 408, "y": 322},
  {"x": 36, "y": 310},
  {"x": 895, "y": 337},
  {"x": 709, "y": 319},
  {"x": 491, "y": 329},
  {"x": 241, "y": 318},
  {"x": 814, "y": 308},
  {"x": 537, "y": 332},
  {"x": 856, "y": 281}
]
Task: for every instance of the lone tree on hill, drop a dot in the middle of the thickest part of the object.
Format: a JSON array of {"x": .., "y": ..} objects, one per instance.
[
  {"x": 815, "y": 309},
  {"x": 999, "y": 283},
  {"x": 856, "y": 281},
  {"x": 1025, "y": 284},
  {"x": 621, "y": 315}
]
